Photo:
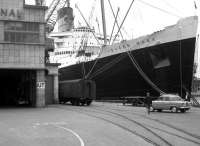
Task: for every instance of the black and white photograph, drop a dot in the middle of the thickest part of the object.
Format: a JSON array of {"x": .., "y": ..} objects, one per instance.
[{"x": 99, "y": 73}]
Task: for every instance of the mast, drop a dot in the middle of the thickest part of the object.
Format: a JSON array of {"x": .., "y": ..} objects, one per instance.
[{"x": 103, "y": 21}]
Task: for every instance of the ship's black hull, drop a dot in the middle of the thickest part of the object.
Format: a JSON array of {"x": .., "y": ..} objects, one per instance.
[{"x": 169, "y": 66}]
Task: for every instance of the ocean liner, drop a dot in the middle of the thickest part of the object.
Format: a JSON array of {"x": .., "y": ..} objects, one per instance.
[{"x": 161, "y": 62}]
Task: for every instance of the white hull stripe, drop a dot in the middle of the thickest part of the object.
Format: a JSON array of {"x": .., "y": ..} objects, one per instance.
[{"x": 184, "y": 29}]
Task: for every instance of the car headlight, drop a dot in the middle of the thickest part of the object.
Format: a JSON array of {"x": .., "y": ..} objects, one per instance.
[{"x": 189, "y": 103}]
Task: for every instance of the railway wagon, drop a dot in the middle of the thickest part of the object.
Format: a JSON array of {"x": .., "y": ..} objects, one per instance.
[{"x": 77, "y": 92}]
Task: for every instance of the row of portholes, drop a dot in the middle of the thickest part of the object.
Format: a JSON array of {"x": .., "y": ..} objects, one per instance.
[
  {"x": 64, "y": 52},
  {"x": 62, "y": 44}
]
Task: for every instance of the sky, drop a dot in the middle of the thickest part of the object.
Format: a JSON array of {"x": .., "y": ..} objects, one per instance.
[{"x": 144, "y": 17}]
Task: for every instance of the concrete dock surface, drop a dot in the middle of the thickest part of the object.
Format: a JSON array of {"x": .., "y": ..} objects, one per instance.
[{"x": 101, "y": 124}]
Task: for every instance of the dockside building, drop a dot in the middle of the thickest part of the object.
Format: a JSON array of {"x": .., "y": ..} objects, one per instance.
[{"x": 25, "y": 76}]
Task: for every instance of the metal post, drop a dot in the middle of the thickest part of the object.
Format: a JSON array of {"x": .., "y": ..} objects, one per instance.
[{"x": 103, "y": 21}]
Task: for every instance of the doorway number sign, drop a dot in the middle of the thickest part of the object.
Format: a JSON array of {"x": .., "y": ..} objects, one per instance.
[{"x": 41, "y": 85}]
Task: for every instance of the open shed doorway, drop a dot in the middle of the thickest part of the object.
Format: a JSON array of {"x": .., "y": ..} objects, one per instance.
[{"x": 17, "y": 87}]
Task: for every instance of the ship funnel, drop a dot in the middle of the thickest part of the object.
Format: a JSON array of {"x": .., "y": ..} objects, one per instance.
[
  {"x": 68, "y": 3},
  {"x": 65, "y": 19},
  {"x": 39, "y": 2}
]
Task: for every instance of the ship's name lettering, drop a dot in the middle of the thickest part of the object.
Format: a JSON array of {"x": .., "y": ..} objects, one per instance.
[
  {"x": 123, "y": 46},
  {"x": 145, "y": 41},
  {"x": 11, "y": 13}
]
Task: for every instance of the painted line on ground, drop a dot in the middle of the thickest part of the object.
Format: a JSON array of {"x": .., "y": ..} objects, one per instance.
[
  {"x": 57, "y": 125},
  {"x": 74, "y": 133}
]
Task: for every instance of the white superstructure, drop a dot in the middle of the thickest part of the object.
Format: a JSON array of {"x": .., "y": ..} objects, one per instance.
[{"x": 75, "y": 46}]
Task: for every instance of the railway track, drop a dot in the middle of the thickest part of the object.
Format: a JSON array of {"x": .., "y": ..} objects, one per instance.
[
  {"x": 150, "y": 136},
  {"x": 155, "y": 120},
  {"x": 103, "y": 113},
  {"x": 195, "y": 140}
]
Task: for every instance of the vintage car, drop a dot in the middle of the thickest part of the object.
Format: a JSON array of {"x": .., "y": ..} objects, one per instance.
[{"x": 170, "y": 102}]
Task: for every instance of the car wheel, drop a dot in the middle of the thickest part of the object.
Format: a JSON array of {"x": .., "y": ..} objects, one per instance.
[
  {"x": 182, "y": 110},
  {"x": 174, "y": 109}
]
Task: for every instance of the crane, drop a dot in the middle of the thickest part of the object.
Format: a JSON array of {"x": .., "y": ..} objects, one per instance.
[
  {"x": 51, "y": 14},
  {"x": 50, "y": 19}
]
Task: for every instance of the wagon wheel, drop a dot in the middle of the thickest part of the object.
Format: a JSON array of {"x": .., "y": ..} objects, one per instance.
[
  {"x": 89, "y": 102},
  {"x": 77, "y": 102},
  {"x": 72, "y": 102},
  {"x": 82, "y": 103}
]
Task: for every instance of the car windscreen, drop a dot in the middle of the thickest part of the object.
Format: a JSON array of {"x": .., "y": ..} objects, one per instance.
[{"x": 175, "y": 98}]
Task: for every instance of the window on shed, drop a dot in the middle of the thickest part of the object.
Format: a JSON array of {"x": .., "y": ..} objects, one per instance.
[{"x": 24, "y": 32}]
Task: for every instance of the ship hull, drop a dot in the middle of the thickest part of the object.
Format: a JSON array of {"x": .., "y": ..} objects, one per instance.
[{"x": 168, "y": 66}]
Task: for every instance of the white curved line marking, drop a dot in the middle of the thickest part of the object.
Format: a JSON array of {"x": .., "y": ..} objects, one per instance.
[{"x": 74, "y": 133}]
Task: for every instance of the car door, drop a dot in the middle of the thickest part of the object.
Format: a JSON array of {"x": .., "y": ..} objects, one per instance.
[
  {"x": 157, "y": 104},
  {"x": 175, "y": 102},
  {"x": 167, "y": 103}
]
